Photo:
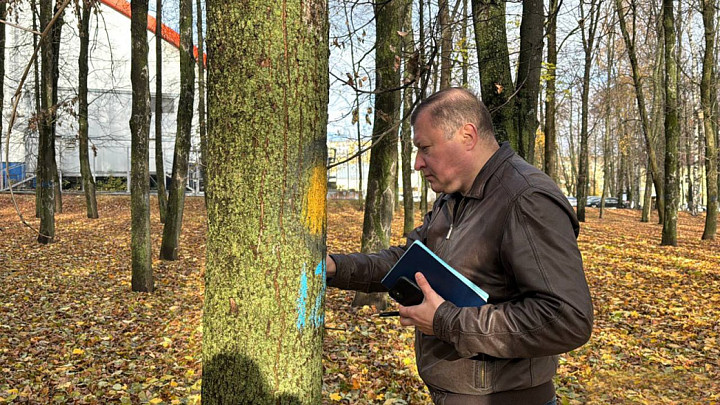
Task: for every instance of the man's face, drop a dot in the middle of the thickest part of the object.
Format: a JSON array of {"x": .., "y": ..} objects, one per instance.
[{"x": 441, "y": 160}]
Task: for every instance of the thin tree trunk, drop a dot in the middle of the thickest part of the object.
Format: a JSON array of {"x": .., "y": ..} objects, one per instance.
[
  {"x": 87, "y": 177},
  {"x": 3, "y": 11},
  {"x": 159, "y": 159},
  {"x": 201, "y": 92},
  {"x": 176, "y": 201},
  {"x": 56, "y": 35},
  {"x": 38, "y": 107},
  {"x": 550, "y": 100},
  {"x": 142, "y": 275},
  {"x": 647, "y": 198},
  {"x": 640, "y": 97},
  {"x": 383, "y": 157},
  {"x": 263, "y": 319},
  {"x": 446, "y": 44},
  {"x": 410, "y": 76},
  {"x": 672, "y": 129},
  {"x": 708, "y": 98},
  {"x": 465, "y": 47},
  {"x": 588, "y": 30},
  {"x": 46, "y": 148}
]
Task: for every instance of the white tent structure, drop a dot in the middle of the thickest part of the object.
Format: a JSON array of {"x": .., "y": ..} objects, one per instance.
[{"x": 109, "y": 97}]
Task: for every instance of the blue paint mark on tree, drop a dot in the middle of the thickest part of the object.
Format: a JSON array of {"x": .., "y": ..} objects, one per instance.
[
  {"x": 317, "y": 314},
  {"x": 302, "y": 299}
]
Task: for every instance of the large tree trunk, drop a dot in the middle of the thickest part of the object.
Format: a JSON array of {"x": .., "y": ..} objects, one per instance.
[
  {"x": 263, "y": 319},
  {"x": 550, "y": 163},
  {"x": 201, "y": 91},
  {"x": 707, "y": 98},
  {"x": 159, "y": 159},
  {"x": 46, "y": 168},
  {"x": 494, "y": 67},
  {"x": 176, "y": 202},
  {"x": 142, "y": 275},
  {"x": 672, "y": 130},
  {"x": 383, "y": 157},
  {"x": 528, "y": 76},
  {"x": 87, "y": 178},
  {"x": 410, "y": 77}
]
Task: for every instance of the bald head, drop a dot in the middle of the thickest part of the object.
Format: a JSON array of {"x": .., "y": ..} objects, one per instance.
[{"x": 454, "y": 107}]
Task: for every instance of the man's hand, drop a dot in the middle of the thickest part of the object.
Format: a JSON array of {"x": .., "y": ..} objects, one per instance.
[
  {"x": 422, "y": 315},
  {"x": 330, "y": 266}
]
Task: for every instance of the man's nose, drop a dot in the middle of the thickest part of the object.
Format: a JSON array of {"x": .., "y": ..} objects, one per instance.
[{"x": 419, "y": 162}]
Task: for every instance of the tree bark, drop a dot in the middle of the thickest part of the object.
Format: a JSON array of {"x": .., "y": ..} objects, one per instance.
[
  {"x": 85, "y": 171},
  {"x": 142, "y": 275},
  {"x": 672, "y": 130},
  {"x": 383, "y": 156},
  {"x": 494, "y": 67},
  {"x": 527, "y": 79},
  {"x": 263, "y": 318},
  {"x": 46, "y": 144},
  {"x": 159, "y": 159},
  {"x": 176, "y": 201},
  {"x": 707, "y": 99}
]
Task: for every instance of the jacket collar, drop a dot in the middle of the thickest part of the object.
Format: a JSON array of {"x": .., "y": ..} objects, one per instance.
[{"x": 488, "y": 170}]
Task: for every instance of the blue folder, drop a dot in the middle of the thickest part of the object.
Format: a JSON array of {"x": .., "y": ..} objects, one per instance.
[{"x": 445, "y": 280}]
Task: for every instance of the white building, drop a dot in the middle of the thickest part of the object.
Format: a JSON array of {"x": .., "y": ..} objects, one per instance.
[{"x": 109, "y": 95}]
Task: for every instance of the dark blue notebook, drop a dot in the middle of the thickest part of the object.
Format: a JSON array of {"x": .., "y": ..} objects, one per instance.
[{"x": 445, "y": 280}]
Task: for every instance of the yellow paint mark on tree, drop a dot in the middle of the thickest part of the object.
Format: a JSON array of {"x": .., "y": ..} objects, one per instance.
[{"x": 315, "y": 201}]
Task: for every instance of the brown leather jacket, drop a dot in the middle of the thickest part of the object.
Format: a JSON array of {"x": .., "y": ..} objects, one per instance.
[{"x": 514, "y": 235}]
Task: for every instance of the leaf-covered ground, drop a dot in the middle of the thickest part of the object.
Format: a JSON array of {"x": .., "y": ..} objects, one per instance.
[{"x": 71, "y": 330}]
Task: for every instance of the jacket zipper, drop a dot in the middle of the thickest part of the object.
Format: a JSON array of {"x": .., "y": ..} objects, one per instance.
[{"x": 455, "y": 215}]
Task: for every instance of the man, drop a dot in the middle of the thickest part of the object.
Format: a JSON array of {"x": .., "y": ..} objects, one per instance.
[{"x": 507, "y": 227}]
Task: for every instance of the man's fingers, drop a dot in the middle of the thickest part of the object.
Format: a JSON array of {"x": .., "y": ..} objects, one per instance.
[{"x": 423, "y": 284}]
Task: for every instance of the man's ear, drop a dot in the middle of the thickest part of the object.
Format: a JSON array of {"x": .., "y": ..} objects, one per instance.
[{"x": 469, "y": 135}]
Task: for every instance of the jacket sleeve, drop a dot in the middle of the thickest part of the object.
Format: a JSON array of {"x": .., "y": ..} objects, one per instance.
[
  {"x": 551, "y": 313},
  {"x": 363, "y": 272}
]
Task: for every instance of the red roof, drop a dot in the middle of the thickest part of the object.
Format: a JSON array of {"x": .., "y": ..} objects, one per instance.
[{"x": 168, "y": 34}]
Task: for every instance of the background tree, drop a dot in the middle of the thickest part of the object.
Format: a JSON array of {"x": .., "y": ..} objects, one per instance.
[
  {"x": 176, "y": 201},
  {"x": 409, "y": 77},
  {"x": 46, "y": 168},
  {"x": 201, "y": 89},
  {"x": 588, "y": 29},
  {"x": 159, "y": 159},
  {"x": 640, "y": 97},
  {"x": 3, "y": 11},
  {"x": 267, "y": 184},
  {"x": 527, "y": 79},
  {"x": 672, "y": 130},
  {"x": 87, "y": 178},
  {"x": 550, "y": 160},
  {"x": 707, "y": 98},
  {"x": 56, "y": 36},
  {"x": 379, "y": 201},
  {"x": 494, "y": 67},
  {"x": 142, "y": 276}
]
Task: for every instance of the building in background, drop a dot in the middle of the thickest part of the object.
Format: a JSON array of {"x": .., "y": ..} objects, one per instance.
[{"x": 109, "y": 97}]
